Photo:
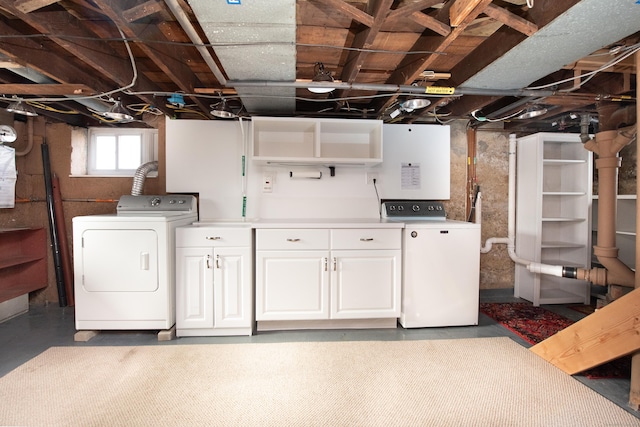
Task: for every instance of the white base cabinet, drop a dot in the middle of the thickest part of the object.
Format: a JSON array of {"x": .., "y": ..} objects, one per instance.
[
  {"x": 213, "y": 281},
  {"x": 324, "y": 274}
]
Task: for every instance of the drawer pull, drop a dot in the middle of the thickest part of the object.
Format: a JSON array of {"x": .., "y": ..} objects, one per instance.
[
  {"x": 366, "y": 239},
  {"x": 213, "y": 238},
  {"x": 293, "y": 240}
]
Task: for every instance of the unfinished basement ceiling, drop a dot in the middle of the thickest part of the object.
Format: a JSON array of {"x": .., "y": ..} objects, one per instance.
[{"x": 260, "y": 56}]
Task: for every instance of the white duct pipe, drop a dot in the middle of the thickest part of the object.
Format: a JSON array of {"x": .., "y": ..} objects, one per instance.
[
  {"x": 534, "y": 267},
  {"x": 29, "y": 146}
]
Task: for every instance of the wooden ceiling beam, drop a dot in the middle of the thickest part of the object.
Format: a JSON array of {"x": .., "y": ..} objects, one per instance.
[
  {"x": 511, "y": 20},
  {"x": 28, "y": 52},
  {"x": 409, "y": 8},
  {"x": 28, "y": 6},
  {"x": 350, "y": 11},
  {"x": 95, "y": 53},
  {"x": 46, "y": 89},
  {"x": 431, "y": 23},
  {"x": 462, "y": 9},
  {"x": 163, "y": 56},
  {"x": 364, "y": 40},
  {"x": 143, "y": 10}
]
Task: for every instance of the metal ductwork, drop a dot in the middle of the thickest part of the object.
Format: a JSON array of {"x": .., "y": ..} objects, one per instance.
[
  {"x": 255, "y": 40},
  {"x": 141, "y": 175},
  {"x": 566, "y": 39}
]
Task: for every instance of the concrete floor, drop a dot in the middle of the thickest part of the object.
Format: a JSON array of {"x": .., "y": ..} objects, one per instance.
[{"x": 25, "y": 336}]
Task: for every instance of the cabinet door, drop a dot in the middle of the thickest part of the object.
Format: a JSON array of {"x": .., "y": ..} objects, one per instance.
[
  {"x": 365, "y": 284},
  {"x": 194, "y": 288},
  {"x": 232, "y": 290},
  {"x": 292, "y": 285}
]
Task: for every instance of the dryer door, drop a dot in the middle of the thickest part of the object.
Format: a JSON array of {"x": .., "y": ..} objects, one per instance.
[{"x": 120, "y": 260}]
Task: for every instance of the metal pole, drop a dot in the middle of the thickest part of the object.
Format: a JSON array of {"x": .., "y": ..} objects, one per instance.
[{"x": 55, "y": 242}]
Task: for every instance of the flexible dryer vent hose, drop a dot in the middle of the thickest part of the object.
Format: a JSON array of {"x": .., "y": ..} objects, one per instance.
[{"x": 141, "y": 175}]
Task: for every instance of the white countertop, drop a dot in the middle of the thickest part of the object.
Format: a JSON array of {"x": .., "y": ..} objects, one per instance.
[{"x": 303, "y": 223}]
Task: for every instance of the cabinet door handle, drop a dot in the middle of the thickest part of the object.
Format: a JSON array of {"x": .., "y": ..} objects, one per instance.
[
  {"x": 217, "y": 261},
  {"x": 213, "y": 237},
  {"x": 208, "y": 261},
  {"x": 335, "y": 263},
  {"x": 325, "y": 263},
  {"x": 293, "y": 240},
  {"x": 366, "y": 239}
]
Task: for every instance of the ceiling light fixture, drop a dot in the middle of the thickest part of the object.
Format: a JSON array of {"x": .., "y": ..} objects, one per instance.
[
  {"x": 414, "y": 104},
  {"x": 321, "y": 76},
  {"x": 19, "y": 107},
  {"x": 531, "y": 112},
  {"x": 222, "y": 110},
  {"x": 118, "y": 112}
]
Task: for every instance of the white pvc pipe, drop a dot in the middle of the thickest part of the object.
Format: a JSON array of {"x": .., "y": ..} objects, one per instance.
[{"x": 552, "y": 270}]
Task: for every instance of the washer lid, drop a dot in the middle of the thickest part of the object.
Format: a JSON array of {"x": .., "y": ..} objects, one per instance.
[{"x": 175, "y": 203}]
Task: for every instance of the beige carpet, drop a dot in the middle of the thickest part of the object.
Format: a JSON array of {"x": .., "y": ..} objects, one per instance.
[{"x": 465, "y": 382}]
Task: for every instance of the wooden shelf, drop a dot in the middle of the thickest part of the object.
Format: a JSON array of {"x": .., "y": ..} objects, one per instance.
[{"x": 23, "y": 261}]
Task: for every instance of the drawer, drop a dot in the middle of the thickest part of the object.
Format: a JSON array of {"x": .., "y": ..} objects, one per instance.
[
  {"x": 212, "y": 236},
  {"x": 366, "y": 238},
  {"x": 292, "y": 239}
]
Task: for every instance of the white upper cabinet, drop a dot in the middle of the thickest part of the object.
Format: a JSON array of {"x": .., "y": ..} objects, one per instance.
[{"x": 316, "y": 141}]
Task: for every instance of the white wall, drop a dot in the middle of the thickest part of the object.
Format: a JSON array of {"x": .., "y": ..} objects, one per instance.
[{"x": 205, "y": 157}]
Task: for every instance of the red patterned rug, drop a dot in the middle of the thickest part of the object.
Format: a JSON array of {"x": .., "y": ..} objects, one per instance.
[{"x": 535, "y": 324}]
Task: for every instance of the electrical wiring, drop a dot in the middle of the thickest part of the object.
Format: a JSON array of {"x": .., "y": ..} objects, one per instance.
[
  {"x": 46, "y": 107},
  {"x": 485, "y": 119},
  {"x": 103, "y": 94},
  {"x": 145, "y": 108}
]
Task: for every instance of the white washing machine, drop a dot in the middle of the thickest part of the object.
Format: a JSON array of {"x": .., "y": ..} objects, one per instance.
[
  {"x": 440, "y": 265},
  {"x": 124, "y": 263}
]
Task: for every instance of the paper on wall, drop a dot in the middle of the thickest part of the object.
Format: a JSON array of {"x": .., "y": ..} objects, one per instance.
[
  {"x": 410, "y": 176},
  {"x": 8, "y": 176}
]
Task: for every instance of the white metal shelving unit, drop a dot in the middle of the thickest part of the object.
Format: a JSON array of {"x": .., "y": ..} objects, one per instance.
[{"x": 553, "y": 215}]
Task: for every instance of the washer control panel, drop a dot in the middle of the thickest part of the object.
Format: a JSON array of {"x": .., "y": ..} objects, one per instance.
[{"x": 413, "y": 210}]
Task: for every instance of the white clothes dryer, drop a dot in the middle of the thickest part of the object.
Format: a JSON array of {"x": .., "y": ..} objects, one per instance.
[{"x": 124, "y": 263}]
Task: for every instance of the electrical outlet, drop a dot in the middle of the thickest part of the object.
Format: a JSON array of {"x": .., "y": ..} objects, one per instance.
[
  {"x": 267, "y": 183},
  {"x": 371, "y": 176}
]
